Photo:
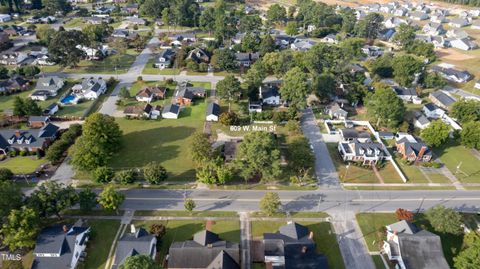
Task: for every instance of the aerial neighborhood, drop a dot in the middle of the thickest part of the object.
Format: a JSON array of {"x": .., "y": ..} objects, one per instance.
[{"x": 239, "y": 134}]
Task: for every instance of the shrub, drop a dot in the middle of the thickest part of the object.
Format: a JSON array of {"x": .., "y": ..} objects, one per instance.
[
  {"x": 126, "y": 176},
  {"x": 23, "y": 153},
  {"x": 13, "y": 153},
  {"x": 103, "y": 174},
  {"x": 228, "y": 118},
  {"x": 139, "y": 78},
  {"x": 154, "y": 173},
  {"x": 5, "y": 174},
  {"x": 158, "y": 229}
]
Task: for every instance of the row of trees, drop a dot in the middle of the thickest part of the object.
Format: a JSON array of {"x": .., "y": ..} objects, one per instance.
[{"x": 153, "y": 173}]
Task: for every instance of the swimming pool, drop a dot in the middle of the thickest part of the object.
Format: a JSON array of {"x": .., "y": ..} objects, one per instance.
[{"x": 69, "y": 99}]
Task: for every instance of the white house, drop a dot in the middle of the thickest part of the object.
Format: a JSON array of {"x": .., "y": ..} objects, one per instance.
[
  {"x": 476, "y": 24},
  {"x": 90, "y": 88},
  {"x": 269, "y": 95},
  {"x": 171, "y": 111},
  {"x": 164, "y": 59},
  {"x": 432, "y": 111},
  {"x": 393, "y": 22},
  {"x": 477, "y": 84},
  {"x": 459, "y": 22},
  {"x": 93, "y": 53},
  {"x": 407, "y": 94},
  {"x": 302, "y": 45},
  {"x": 368, "y": 153},
  {"x": 213, "y": 112},
  {"x": 51, "y": 109},
  {"x": 5, "y": 17},
  {"x": 421, "y": 121},
  {"x": 433, "y": 28},
  {"x": 400, "y": 12},
  {"x": 464, "y": 44}
]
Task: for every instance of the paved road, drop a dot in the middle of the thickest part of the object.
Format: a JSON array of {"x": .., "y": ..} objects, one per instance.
[{"x": 324, "y": 168}]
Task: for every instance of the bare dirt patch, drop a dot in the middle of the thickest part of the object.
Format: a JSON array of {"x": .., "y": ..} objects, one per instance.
[{"x": 452, "y": 55}]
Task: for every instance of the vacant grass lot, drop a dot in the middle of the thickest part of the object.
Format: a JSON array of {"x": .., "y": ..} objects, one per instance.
[
  {"x": 453, "y": 154},
  {"x": 181, "y": 230},
  {"x": 372, "y": 226},
  {"x": 322, "y": 234},
  {"x": 122, "y": 62},
  {"x": 151, "y": 70},
  {"x": 101, "y": 239},
  {"x": 22, "y": 165},
  {"x": 166, "y": 141}
]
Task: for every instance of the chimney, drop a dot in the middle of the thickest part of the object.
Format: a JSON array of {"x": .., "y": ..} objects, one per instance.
[
  {"x": 310, "y": 236},
  {"x": 304, "y": 249},
  {"x": 209, "y": 246},
  {"x": 132, "y": 229},
  {"x": 421, "y": 152},
  {"x": 18, "y": 133},
  {"x": 65, "y": 228}
]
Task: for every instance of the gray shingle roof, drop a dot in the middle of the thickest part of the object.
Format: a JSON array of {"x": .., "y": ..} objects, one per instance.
[
  {"x": 36, "y": 137},
  {"x": 139, "y": 243},
  {"x": 443, "y": 98},
  {"x": 213, "y": 109}
]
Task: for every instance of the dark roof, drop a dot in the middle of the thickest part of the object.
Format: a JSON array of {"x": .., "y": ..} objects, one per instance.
[
  {"x": 55, "y": 240},
  {"x": 213, "y": 109},
  {"x": 36, "y": 137},
  {"x": 443, "y": 98},
  {"x": 267, "y": 91},
  {"x": 167, "y": 54},
  {"x": 223, "y": 261},
  {"x": 404, "y": 91},
  {"x": 351, "y": 133},
  {"x": 203, "y": 252},
  {"x": 461, "y": 74},
  {"x": 431, "y": 107},
  {"x": 172, "y": 108},
  {"x": 38, "y": 118},
  {"x": 414, "y": 147},
  {"x": 294, "y": 230},
  {"x": 131, "y": 244}
]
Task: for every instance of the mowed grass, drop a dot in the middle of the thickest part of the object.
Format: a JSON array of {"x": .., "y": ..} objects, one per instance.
[
  {"x": 151, "y": 70},
  {"x": 166, "y": 141},
  {"x": 181, "y": 230},
  {"x": 373, "y": 229},
  {"x": 101, "y": 239},
  {"x": 353, "y": 174},
  {"x": 323, "y": 236},
  {"x": 453, "y": 155},
  {"x": 412, "y": 172},
  {"x": 22, "y": 165},
  {"x": 122, "y": 63}
]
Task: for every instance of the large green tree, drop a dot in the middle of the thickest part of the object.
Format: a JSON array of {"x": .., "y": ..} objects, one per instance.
[
  {"x": 405, "y": 35},
  {"x": 276, "y": 13},
  {"x": 11, "y": 197},
  {"x": 54, "y": 6},
  {"x": 110, "y": 199},
  {"x": 295, "y": 87},
  {"x": 5, "y": 174},
  {"x": 270, "y": 203},
  {"x": 229, "y": 89},
  {"x": 470, "y": 136},
  {"x": 469, "y": 258},
  {"x": 96, "y": 33},
  {"x": 63, "y": 47},
  {"x": 466, "y": 110},
  {"x": 20, "y": 228},
  {"x": 385, "y": 108},
  {"x": 87, "y": 199},
  {"x": 406, "y": 68},
  {"x": 258, "y": 156},
  {"x": 445, "y": 220},
  {"x": 224, "y": 59},
  {"x": 153, "y": 8},
  {"x": 369, "y": 26},
  {"x": 51, "y": 198},
  {"x": 139, "y": 262},
  {"x": 154, "y": 173},
  {"x": 201, "y": 149},
  {"x": 100, "y": 139},
  {"x": 26, "y": 107},
  {"x": 436, "y": 133}
]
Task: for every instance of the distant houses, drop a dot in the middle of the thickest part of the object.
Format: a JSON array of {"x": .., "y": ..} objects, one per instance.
[
  {"x": 452, "y": 74},
  {"x": 31, "y": 139}
]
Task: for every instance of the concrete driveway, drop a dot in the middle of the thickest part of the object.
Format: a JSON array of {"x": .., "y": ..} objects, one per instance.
[{"x": 324, "y": 169}]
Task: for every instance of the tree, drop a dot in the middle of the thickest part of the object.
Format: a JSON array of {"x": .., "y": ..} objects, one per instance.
[
  {"x": 154, "y": 173},
  {"x": 470, "y": 136},
  {"x": 353, "y": 46},
  {"x": 110, "y": 199},
  {"x": 20, "y": 228},
  {"x": 258, "y": 155},
  {"x": 466, "y": 110},
  {"x": 63, "y": 47},
  {"x": 249, "y": 23},
  {"x": 406, "y": 68},
  {"x": 295, "y": 87},
  {"x": 153, "y": 8},
  {"x": 291, "y": 12},
  {"x": 103, "y": 174},
  {"x": 445, "y": 220},
  {"x": 250, "y": 42},
  {"x": 224, "y": 59},
  {"x": 44, "y": 33},
  {"x": 266, "y": 45},
  {"x": 189, "y": 204},
  {"x": 126, "y": 176},
  {"x": 101, "y": 138},
  {"x": 403, "y": 214},
  {"x": 276, "y": 13},
  {"x": 300, "y": 156},
  {"x": 26, "y": 107},
  {"x": 405, "y": 35},
  {"x": 385, "y": 107},
  {"x": 292, "y": 28},
  {"x": 229, "y": 89},
  {"x": 349, "y": 20},
  {"x": 382, "y": 66},
  {"x": 369, "y": 26},
  {"x": 51, "y": 198},
  {"x": 324, "y": 85},
  {"x": 434, "y": 80},
  {"x": 5, "y": 174},
  {"x": 270, "y": 203},
  {"x": 436, "y": 133},
  {"x": 96, "y": 33},
  {"x": 54, "y": 6},
  {"x": 254, "y": 77},
  {"x": 228, "y": 118},
  {"x": 468, "y": 258},
  {"x": 124, "y": 93},
  {"x": 87, "y": 200},
  {"x": 139, "y": 261},
  {"x": 207, "y": 20},
  {"x": 11, "y": 197},
  {"x": 201, "y": 148},
  {"x": 158, "y": 229}
]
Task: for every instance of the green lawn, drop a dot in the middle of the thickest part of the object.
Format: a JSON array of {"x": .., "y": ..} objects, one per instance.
[
  {"x": 151, "y": 70},
  {"x": 181, "y": 230},
  {"x": 389, "y": 174},
  {"x": 322, "y": 234},
  {"x": 412, "y": 172},
  {"x": 172, "y": 213},
  {"x": 373, "y": 229},
  {"x": 166, "y": 141},
  {"x": 22, "y": 165},
  {"x": 74, "y": 110},
  {"x": 453, "y": 154},
  {"x": 354, "y": 174},
  {"x": 122, "y": 62},
  {"x": 6, "y": 101},
  {"x": 377, "y": 260},
  {"x": 74, "y": 23},
  {"x": 101, "y": 239}
]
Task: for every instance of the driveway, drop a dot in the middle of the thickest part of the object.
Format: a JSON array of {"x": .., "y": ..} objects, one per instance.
[
  {"x": 324, "y": 169},
  {"x": 109, "y": 107}
]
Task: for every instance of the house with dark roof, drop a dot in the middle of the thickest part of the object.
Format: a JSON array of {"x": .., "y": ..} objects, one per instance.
[
  {"x": 61, "y": 246},
  {"x": 47, "y": 87},
  {"x": 413, "y": 150},
  {"x": 164, "y": 59},
  {"x": 90, "y": 88},
  {"x": 432, "y": 111},
  {"x": 229, "y": 150},
  {"x": 171, "y": 111},
  {"x": 442, "y": 99},
  {"x": 421, "y": 121},
  {"x": 206, "y": 251},
  {"x": 407, "y": 94},
  {"x": 457, "y": 34},
  {"x": 459, "y": 22},
  {"x": 464, "y": 44},
  {"x": 148, "y": 111},
  {"x": 433, "y": 29},
  {"x": 452, "y": 74},
  {"x": 411, "y": 248},
  {"x": 120, "y": 33},
  {"x": 31, "y": 140},
  {"x": 335, "y": 111},
  {"x": 150, "y": 94},
  {"x": 137, "y": 242},
  {"x": 269, "y": 94},
  {"x": 292, "y": 247},
  {"x": 15, "y": 84},
  {"x": 198, "y": 55},
  {"x": 185, "y": 93},
  {"x": 213, "y": 112},
  {"x": 246, "y": 59},
  {"x": 367, "y": 152},
  {"x": 51, "y": 109},
  {"x": 350, "y": 134}
]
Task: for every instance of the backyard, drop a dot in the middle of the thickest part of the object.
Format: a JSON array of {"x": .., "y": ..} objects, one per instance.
[
  {"x": 181, "y": 230},
  {"x": 101, "y": 239},
  {"x": 373, "y": 229},
  {"x": 460, "y": 161},
  {"x": 323, "y": 235},
  {"x": 22, "y": 165}
]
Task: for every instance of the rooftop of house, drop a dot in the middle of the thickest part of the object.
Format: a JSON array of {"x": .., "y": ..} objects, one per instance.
[
  {"x": 443, "y": 98},
  {"x": 27, "y": 138},
  {"x": 213, "y": 109},
  {"x": 402, "y": 91},
  {"x": 171, "y": 108},
  {"x": 137, "y": 243},
  {"x": 414, "y": 147}
]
